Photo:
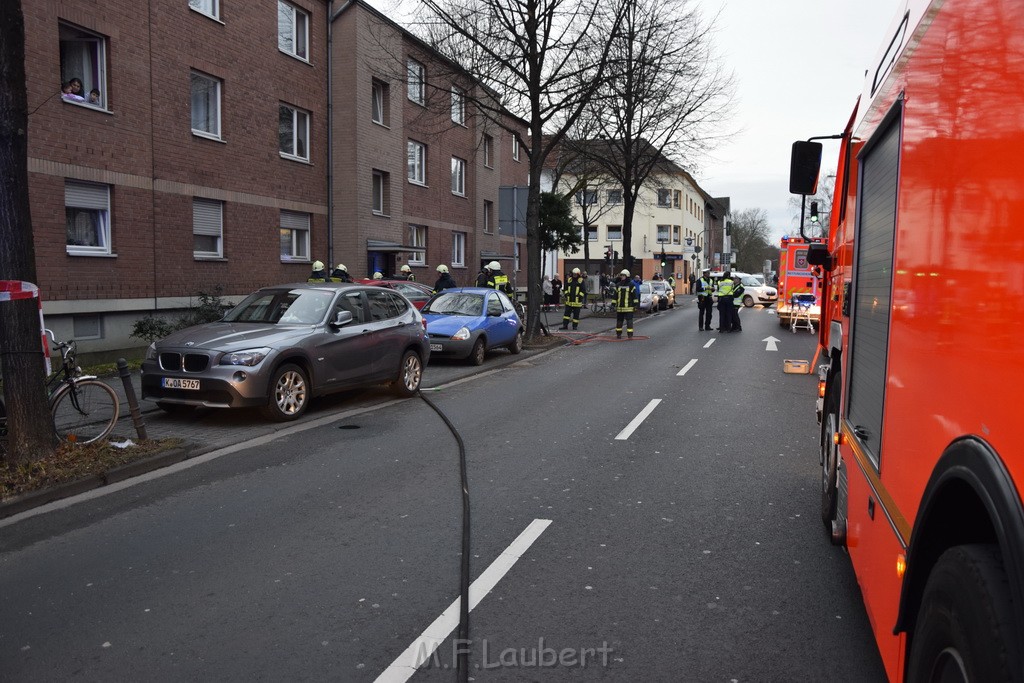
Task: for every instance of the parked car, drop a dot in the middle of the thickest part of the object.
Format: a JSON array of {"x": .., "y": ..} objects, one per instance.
[
  {"x": 756, "y": 292},
  {"x": 415, "y": 292},
  {"x": 467, "y": 322},
  {"x": 284, "y": 345},
  {"x": 648, "y": 298},
  {"x": 666, "y": 297}
]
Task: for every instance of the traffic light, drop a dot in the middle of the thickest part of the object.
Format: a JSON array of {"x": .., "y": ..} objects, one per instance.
[
  {"x": 608, "y": 255},
  {"x": 615, "y": 256},
  {"x": 663, "y": 260},
  {"x": 814, "y": 212}
]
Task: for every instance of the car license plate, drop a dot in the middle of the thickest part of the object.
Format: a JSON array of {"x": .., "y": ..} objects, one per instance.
[
  {"x": 436, "y": 347},
  {"x": 175, "y": 383}
]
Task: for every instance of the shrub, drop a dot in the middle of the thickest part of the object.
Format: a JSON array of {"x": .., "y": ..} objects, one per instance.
[{"x": 210, "y": 309}]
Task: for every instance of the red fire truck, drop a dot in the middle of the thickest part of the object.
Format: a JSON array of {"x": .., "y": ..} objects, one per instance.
[
  {"x": 799, "y": 288},
  {"x": 921, "y": 463}
]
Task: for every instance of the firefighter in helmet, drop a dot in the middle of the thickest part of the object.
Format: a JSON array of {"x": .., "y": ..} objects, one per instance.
[
  {"x": 405, "y": 273},
  {"x": 496, "y": 279},
  {"x": 444, "y": 279},
  {"x": 319, "y": 273},
  {"x": 575, "y": 296},
  {"x": 627, "y": 298},
  {"x": 340, "y": 274}
]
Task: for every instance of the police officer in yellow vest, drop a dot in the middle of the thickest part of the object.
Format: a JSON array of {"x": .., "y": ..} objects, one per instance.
[
  {"x": 319, "y": 273},
  {"x": 575, "y": 295},
  {"x": 725, "y": 307},
  {"x": 737, "y": 304},
  {"x": 627, "y": 298},
  {"x": 705, "y": 288}
]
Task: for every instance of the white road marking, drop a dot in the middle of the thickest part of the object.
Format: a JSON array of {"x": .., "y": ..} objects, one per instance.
[
  {"x": 710, "y": 342},
  {"x": 686, "y": 367},
  {"x": 631, "y": 427},
  {"x": 417, "y": 654},
  {"x": 772, "y": 341}
]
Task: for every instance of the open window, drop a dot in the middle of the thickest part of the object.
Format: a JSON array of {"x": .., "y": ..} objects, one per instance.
[{"x": 83, "y": 58}]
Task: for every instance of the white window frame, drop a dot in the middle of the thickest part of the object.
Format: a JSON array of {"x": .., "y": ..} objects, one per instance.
[
  {"x": 515, "y": 147},
  {"x": 298, "y": 30},
  {"x": 83, "y": 55},
  {"x": 614, "y": 230},
  {"x": 380, "y": 107},
  {"x": 458, "y": 105},
  {"x": 90, "y": 200},
  {"x": 381, "y": 189},
  {"x": 677, "y": 234},
  {"x": 417, "y": 75},
  {"x": 418, "y": 238},
  {"x": 299, "y": 132},
  {"x": 488, "y": 151},
  {"x": 295, "y": 229},
  {"x": 488, "y": 217},
  {"x": 459, "y": 249},
  {"x": 210, "y": 8},
  {"x": 458, "y": 177},
  {"x": 614, "y": 196},
  {"x": 213, "y": 121},
  {"x": 664, "y": 198},
  {"x": 417, "y": 163},
  {"x": 664, "y": 235},
  {"x": 591, "y": 233},
  {"x": 208, "y": 221}
]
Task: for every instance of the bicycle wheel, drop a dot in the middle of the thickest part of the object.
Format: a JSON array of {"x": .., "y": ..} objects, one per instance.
[{"x": 85, "y": 411}]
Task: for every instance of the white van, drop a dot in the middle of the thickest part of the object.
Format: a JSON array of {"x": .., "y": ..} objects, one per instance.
[{"x": 755, "y": 291}]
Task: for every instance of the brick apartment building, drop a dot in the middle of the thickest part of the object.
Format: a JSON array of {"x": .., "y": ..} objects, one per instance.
[{"x": 206, "y": 160}]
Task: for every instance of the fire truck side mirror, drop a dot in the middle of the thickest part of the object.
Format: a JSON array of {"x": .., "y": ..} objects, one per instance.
[
  {"x": 817, "y": 255},
  {"x": 804, "y": 166}
]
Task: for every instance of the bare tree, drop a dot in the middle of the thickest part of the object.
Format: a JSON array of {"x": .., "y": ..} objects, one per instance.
[
  {"x": 543, "y": 60},
  {"x": 663, "y": 104},
  {"x": 750, "y": 237},
  {"x": 30, "y": 429}
]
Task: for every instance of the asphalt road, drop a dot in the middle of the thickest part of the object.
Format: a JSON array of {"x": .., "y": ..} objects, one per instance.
[{"x": 684, "y": 546}]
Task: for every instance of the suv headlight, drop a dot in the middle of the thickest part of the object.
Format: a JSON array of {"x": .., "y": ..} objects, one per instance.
[
  {"x": 248, "y": 357},
  {"x": 462, "y": 334}
]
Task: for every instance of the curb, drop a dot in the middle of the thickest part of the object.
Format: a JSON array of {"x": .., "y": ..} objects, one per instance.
[{"x": 34, "y": 499}]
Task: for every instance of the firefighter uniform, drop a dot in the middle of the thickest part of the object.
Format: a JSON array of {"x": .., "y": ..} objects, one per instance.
[
  {"x": 575, "y": 293},
  {"x": 319, "y": 273},
  {"x": 627, "y": 298},
  {"x": 705, "y": 302},
  {"x": 725, "y": 307},
  {"x": 737, "y": 304}
]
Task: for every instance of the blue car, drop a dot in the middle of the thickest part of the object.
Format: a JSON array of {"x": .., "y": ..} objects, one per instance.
[{"x": 467, "y": 322}]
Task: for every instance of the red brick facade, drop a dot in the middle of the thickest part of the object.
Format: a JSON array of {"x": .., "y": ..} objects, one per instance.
[{"x": 140, "y": 144}]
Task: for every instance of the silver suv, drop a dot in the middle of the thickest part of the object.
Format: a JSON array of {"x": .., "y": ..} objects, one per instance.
[{"x": 284, "y": 345}]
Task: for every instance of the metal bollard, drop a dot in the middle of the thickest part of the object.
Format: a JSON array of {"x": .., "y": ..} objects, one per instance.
[{"x": 133, "y": 402}]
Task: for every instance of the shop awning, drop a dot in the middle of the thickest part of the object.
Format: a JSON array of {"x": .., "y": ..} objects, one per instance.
[{"x": 383, "y": 245}]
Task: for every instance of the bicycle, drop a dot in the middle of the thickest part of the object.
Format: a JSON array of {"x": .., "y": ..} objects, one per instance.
[{"x": 84, "y": 409}]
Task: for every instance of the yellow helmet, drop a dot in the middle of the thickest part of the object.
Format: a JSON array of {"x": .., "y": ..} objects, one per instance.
[
  {"x": 406, "y": 269},
  {"x": 377, "y": 275},
  {"x": 575, "y": 271},
  {"x": 442, "y": 268},
  {"x": 318, "y": 265},
  {"x": 341, "y": 266},
  {"x": 624, "y": 273},
  {"x": 493, "y": 265}
]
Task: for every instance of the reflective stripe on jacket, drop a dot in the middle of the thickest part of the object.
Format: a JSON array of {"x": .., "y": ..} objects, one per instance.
[
  {"x": 724, "y": 288},
  {"x": 626, "y": 298},
  {"x": 575, "y": 292}
]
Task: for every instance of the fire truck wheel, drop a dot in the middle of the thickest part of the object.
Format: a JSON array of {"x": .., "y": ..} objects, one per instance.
[
  {"x": 964, "y": 624},
  {"x": 829, "y": 459}
]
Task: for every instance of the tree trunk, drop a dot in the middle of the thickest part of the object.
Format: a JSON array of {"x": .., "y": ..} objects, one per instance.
[{"x": 30, "y": 427}]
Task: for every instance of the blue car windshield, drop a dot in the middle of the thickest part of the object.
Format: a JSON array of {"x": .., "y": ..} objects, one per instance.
[
  {"x": 284, "y": 307},
  {"x": 456, "y": 303}
]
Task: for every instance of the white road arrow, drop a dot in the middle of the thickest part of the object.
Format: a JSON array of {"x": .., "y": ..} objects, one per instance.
[{"x": 771, "y": 343}]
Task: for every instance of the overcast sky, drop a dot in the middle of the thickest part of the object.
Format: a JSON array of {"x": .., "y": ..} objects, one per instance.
[{"x": 799, "y": 67}]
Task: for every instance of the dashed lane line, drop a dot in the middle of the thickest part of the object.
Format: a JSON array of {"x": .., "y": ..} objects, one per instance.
[
  {"x": 421, "y": 649},
  {"x": 710, "y": 342},
  {"x": 686, "y": 368},
  {"x": 631, "y": 427}
]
